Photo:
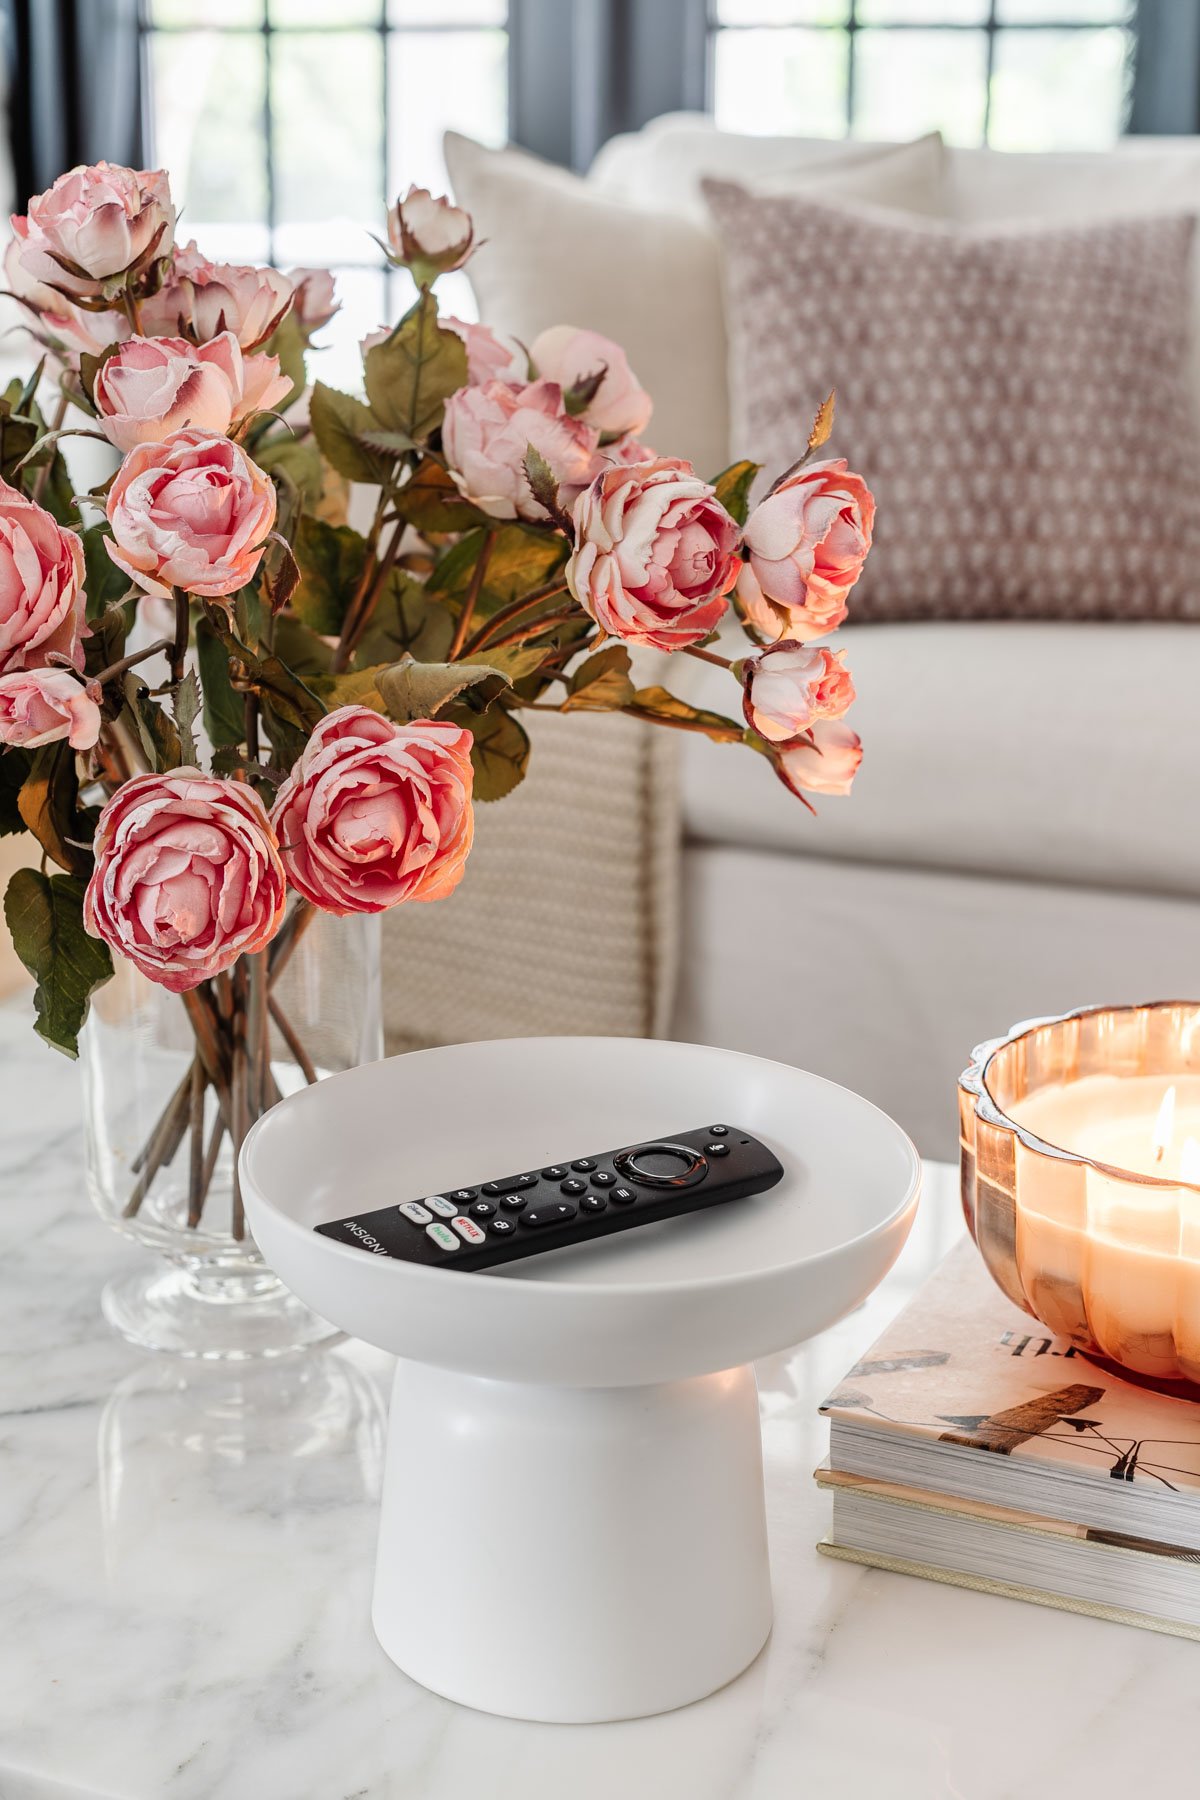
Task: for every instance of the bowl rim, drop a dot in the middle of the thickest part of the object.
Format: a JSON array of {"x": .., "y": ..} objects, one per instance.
[{"x": 974, "y": 1080}]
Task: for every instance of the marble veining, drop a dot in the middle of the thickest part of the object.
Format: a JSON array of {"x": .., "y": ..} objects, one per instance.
[{"x": 185, "y": 1569}]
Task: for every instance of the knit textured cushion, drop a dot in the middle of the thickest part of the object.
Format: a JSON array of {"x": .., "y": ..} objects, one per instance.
[{"x": 1016, "y": 398}]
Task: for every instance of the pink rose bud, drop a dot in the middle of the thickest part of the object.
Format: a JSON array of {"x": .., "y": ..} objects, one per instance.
[
  {"x": 192, "y": 512},
  {"x": 39, "y": 706},
  {"x": 655, "y": 554},
  {"x": 187, "y": 876},
  {"x": 94, "y": 225},
  {"x": 826, "y": 766},
  {"x": 41, "y": 587},
  {"x": 314, "y": 298},
  {"x": 807, "y": 542},
  {"x": 201, "y": 299},
  {"x": 429, "y": 236},
  {"x": 152, "y": 387},
  {"x": 489, "y": 356},
  {"x": 375, "y": 813},
  {"x": 787, "y": 687},
  {"x": 574, "y": 359},
  {"x": 486, "y": 435}
]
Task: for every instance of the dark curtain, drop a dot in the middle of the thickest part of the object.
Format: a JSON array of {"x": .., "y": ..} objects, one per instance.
[
  {"x": 74, "y": 87},
  {"x": 582, "y": 70},
  {"x": 1166, "y": 71}
]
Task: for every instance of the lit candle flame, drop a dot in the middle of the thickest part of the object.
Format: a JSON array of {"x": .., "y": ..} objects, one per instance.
[
  {"x": 1164, "y": 1126},
  {"x": 1189, "y": 1162}
]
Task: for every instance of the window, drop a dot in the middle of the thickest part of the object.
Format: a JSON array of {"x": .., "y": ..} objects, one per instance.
[
  {"x": 289, "y": 125},
  {"x": 1017, "y": 74}
]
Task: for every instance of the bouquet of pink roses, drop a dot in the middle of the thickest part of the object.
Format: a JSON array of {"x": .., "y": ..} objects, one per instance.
[{"x": 222, "y": 706}]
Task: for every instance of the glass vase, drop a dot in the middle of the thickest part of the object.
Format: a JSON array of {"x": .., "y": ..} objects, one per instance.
[{"x": 172, "y": 1083}]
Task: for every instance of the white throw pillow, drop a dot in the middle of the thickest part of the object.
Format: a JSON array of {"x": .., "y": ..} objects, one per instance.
[
  {"x": 557, "y": 252},
  {"x": 662, "y": 166}
]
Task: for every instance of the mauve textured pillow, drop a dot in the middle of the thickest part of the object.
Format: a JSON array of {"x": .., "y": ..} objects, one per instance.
[{"x": 1017, "y": 400}]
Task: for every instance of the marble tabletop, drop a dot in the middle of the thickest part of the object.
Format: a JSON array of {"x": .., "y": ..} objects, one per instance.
[{"x": 185, "y": 1569}]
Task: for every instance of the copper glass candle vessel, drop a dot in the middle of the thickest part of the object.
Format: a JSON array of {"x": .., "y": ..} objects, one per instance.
[{"x": 1080, "y": 1158}]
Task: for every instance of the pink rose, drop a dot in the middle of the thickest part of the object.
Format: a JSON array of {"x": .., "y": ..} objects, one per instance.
[
  {"x": 314, "y": 298},
  {"x": 376, "y": 813},
  {"x": 192, "y": 512},
  {"x": 807, "y": 543},
  {"x": 487, "y": 431},
  {"x": 574, "y": 358},
  {"x": 41, "y": 587},
  {"x": 787, "y": 687},
  {"x": 187, "y": 876},
  {"x": 155, "y": 386},
  {"x": 826, "y": 766},
  {"x": 626, "y": 450},
  {"x": 65, "y": 330},
  {"x": 201, "y": 299},
  {"x": 655, "y": 554},
  {"x": 429, "y": 236},
  {"x": 39, "y": 706},
  {"x": 96, "y": 223},
  {"x": 489, "y": 356}
]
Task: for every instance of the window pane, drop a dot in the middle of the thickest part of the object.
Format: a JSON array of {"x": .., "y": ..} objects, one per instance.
[
  {"x": 448, "y": 12},
  {"x": 1092, "y": 12},
  {"x": 206, "y": 12},
  {"x": 441, "y": 80},
  {"x": 207, "y": 126},
  {"x": 781, "y": 81},
  {"x": 327, "y": 109},
  {"x": 1059, "y": 90},
  {"x": 923, "y": 12},
  {"x": 907, "y": 82},
  {"x": 325, "y": 12},
  {"x": 364, "y": 309},
  {"x": 782, "y": 12}
]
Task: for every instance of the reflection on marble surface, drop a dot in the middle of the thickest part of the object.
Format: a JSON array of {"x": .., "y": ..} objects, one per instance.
[{"x": 185, "y": 1570}]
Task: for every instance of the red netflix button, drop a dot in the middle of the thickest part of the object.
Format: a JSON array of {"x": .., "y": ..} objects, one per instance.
[{"x": 469, "y": 1231}]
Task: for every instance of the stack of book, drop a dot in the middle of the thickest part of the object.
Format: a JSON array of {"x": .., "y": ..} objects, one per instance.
[{"x": 970, "y": 1447}]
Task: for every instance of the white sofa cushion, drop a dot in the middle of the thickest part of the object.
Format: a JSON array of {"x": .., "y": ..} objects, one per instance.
[
  {"x": 558, "y": 252},
  {"x": 1063, "y": 752}
]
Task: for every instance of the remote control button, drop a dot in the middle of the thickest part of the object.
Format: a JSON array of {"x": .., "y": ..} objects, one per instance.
[
  {"x": 717, "y": 1149},
  {"x": 573, "y": 1185},
  {"x": 584, "y": 1163},
  {"x": 501, "y": 1227},
  {"x": 438, "y": 1203},
  {"x": 662, "y": 1165},
  {"x": 623, "y": 1196},
  {"x": 602, "y": 1178},
  {"x": 462, "y": 1195},
  {"x": 483, "y": 1209},
  {"x": 525, "y": 1181},
  {"x": 556, "y": 1212},
  {"x": 442, "y": 1236},
  {"x": 468, "y": 1230},
  {"x": 718, "y": 1131},
  {"x": 594, "y": 1203},
  {"x": 495, "y": 1187},
  {"x": 412, "y": 1209},
  {"x": 556, "y": 1172},
  {"x": 514, "y": 1203}
]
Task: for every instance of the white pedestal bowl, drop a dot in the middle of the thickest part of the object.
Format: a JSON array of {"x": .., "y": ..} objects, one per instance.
[{"x": 572, "y": 1519}]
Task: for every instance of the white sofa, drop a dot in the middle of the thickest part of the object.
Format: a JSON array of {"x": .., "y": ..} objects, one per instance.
[{"x": 1022, "y": 837}]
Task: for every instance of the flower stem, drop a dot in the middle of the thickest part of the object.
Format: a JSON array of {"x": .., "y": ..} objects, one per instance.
[
  {"x": 131, "y": 662},
  {"x": 287, "y": 1032},
  {"x": 473, "y": 593},
  {"x": 179, "y": 643},
  {"x": 708, "y": 656},
  {"x": 514, "y": 610}
]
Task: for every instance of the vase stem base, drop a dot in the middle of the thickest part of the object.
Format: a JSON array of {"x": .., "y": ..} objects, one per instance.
[{"x": 212, "y": 1316}]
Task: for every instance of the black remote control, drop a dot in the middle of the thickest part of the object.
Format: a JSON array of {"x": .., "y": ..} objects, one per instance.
[{"x": 565, "y": 1203}]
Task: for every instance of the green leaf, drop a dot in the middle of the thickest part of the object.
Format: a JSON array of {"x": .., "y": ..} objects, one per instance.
[
  {"x": 412, "y": 374},
  {"x": 517, "y": 661},
  {"x": 14, "y": 768},
  {"x": 302, "y": 650},
  {"x": 154, "y": 726},
  {"x": 404, "y": 622},
  {"x": 187, "y": 710},
  {"x": 413, "y": 690},
  {"x": 45, "y": 917},
  {"x": 521, "y": 561},
  {"x": 338, "y": 420},
  {"x": 430, "y": 501},
  {"x": 657, "y": 705},
  {"x": 357, "y": 687},
  {"x": 733, "y": 486},
  {"x": 297, "y": 460},
  {"x": 224, "y": 713},
  {"x": 106, "y": 644},
  {"x": 601, "y": 683},
  {"x": 543, "y": 483},
  {"x": 248, "y": 615},
  {"x": 331, "y": 560},
  {"x": 48, "y": 805},
  {"x": 499, "y": 753},
  {"x": 287, "y": 343},
  {"x": 104, "y": 582}
]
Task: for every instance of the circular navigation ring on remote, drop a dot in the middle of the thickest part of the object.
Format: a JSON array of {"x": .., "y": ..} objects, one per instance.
[{"x": 662, "y": 1165}]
